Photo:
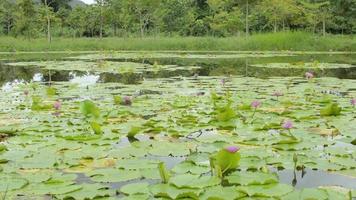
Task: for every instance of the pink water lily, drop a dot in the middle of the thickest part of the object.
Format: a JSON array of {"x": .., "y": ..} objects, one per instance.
[
  {"x": 223, "y": 81},
  {"x": 287, "y": 124},
  {"x": 255, "y": 104},
  {"x": 277, "y": 94},
  {"x": 309, "y": 75},
  {"x": 57, "y": 105},
  {"x": 353, "y": 102},
  {"x": 127, "y": 101},
  {"x": 232, "y": 149}
]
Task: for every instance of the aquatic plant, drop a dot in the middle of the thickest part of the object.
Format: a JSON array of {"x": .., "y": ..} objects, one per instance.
[
  {"x": 163, "y": 172},
  {"x": 277, "y": 94},
  {"x": 89, "y": 109},
  {"x": 57, "y": 105},
  {"x": 117, "y": 100},
  {"x": 225, "y": 160},
  {"x": 92, "y": 115},
  {"x": 332, "y": 109},
  {"x": 255, "y": 104},
  {"x": 309, "y": 75},
  {"x": 38, "y": 104},
  {"x": 51, "y": 91},
  {"x": 353, "y": 102},
  {"x": 223, "y": 82},
  {"x": 127, "y": 101},
  {"x": 288, "y": 125}
]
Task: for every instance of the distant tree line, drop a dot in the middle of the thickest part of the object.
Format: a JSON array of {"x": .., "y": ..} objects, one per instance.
[{"x": 38, "y": 18}]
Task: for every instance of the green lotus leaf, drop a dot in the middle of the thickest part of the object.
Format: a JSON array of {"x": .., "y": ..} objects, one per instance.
[
  {"x": 252, "y": 178},
  {"x": 88, "y": 109},
  {"x": 194, "y": 181},
  {"x": 172, "y": 192},
  {"x": 332, "y": 109},
  {"x": 135, "y": 188},
  {"x": 113, "y": 175},
  {"x": 88, "y": 191},
  {"x": 269, "y": 190},
  {"x": 11, "y": 182},
  {"x": 221, "y": 193}
]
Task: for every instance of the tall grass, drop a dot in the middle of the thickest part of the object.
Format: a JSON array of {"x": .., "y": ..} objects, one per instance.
[{"x": 300, "y": 41}]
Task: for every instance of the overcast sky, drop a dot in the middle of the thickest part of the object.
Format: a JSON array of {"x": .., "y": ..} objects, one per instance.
[{"x": 88, "y": 1}]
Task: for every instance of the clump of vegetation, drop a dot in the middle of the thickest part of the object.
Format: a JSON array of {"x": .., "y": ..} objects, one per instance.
[
  {"x": 332, "y": 109},
  {"x": 92, "y": 115},
  {"x": 225, "y": 160},
  {"x": 38, "y": 104}
]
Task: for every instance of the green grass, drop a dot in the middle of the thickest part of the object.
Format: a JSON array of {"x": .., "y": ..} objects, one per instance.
[{"x": 297, "y": 41}]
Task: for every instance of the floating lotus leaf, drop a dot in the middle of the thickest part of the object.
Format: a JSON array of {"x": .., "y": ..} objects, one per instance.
[
  {"x": 135, "y": 188},
  {"x": 332, "y": 109},
  {"x": 252, "y": 178},
  {"x": 269, "y": 190},
  {"x": 189, "y": 167},
  {"x": 222, "y": 193},
  {"x": 194, "y": 181},
  {"x": 88, "y": 191},
  {"x": 11, "y": 182},
  {"x": 109, "y": 175},
  {"x": 172, "y": 192}
]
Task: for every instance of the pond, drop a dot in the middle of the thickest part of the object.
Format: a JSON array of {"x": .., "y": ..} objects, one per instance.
[{"x": 148, "y": 125}]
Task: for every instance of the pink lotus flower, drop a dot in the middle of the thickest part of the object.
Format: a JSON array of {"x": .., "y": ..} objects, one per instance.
[
  {"x": 57, "y": 114},
  {"x": 232, "y": 149},
  {"x": 57, "y": 105},
  {"x": 255, "y": 104},
  {"x": 309, "y": 75},
  {"x": 223, "y": 81},
  {"x": 127, "y": 101},
  {"x": 287, "y": 124},
  {"x": 353, "y": 102},
  {"x": 277, "y": 94}
]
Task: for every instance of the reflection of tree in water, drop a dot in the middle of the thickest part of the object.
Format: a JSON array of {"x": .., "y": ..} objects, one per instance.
[
  {"x": 61, "y": 75},
  {"x": 125, "y": 78},
  {"x": 11, "y": 73}
]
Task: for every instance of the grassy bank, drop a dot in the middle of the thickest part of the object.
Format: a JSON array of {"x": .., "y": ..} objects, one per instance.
[{"x": 297, "y": 41}]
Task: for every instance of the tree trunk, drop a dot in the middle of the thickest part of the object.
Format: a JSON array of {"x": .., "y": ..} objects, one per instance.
[
  {"x": 324, "y": 31},
  {"x": 49, "y": 30},
  {"x": 247, "y": 13},
  {"x": 115, "y": 30},
  {"x": 101, "y": 20},
  {"x": 275, "y": 26},
  {"x": 8, "y": 27},
  {"x": 284, "y": 25},
  {"x": 48, "y": 23}
]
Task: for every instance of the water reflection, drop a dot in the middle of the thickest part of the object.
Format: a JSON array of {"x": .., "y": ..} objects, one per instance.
[
  {"x": 209, "y": 67},
  {"x": 311, "y": 178}
]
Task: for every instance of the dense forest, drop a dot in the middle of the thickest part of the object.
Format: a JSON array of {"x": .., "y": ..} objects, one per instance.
[{"x": 60, "y": 18}]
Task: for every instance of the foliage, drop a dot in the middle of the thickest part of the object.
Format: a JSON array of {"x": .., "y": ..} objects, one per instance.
[
  {"x": 332, "y": 109},
  {"x": 174, "y": 17}
]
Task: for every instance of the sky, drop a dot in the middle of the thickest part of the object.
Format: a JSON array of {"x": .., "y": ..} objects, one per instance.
[{"x": 88, "y": 1}]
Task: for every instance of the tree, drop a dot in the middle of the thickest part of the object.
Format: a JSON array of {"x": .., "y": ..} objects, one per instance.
[
  {"x": 177, "y": 16},
  {"x": 317, "y": 12},
  {"x": 49, "y": 14},
  {"x": 277, "y": 11},
  {"x": 26, "y": 18},
  {"x": 7, "y": 17},
  {"x": 145, "y": 11},
  {"x": 102, "y": 5},
  {"x": 56, "y": 5}
]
